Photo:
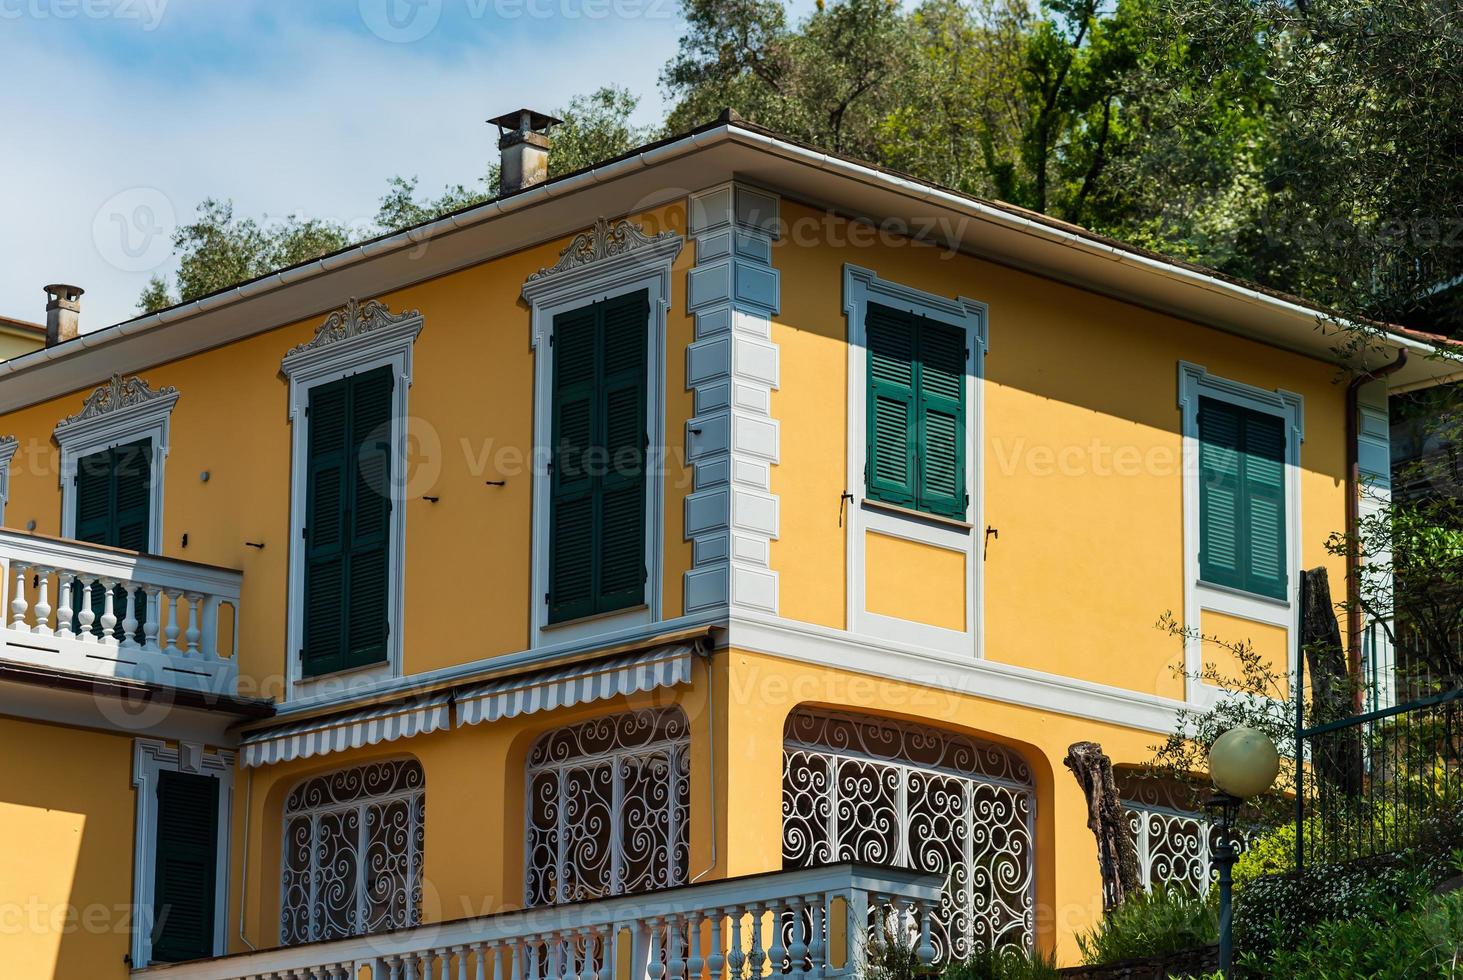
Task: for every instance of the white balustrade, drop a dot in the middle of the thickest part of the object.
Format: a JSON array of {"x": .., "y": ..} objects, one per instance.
[
  {"x": 79, "y": 607},
  {"x": 811, "y": 924}
]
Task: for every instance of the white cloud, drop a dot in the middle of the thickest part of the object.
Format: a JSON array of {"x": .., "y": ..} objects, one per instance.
[{"x": 314, "y": 125}]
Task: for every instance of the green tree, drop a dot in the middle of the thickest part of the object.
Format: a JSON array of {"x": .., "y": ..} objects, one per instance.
[{"x": 218, "y": 250}]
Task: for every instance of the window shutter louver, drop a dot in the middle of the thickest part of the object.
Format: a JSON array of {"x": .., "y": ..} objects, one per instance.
[
  {"x": 1242, "y": 499},
  {"x": 916, "y": 412},
  {"x": 941, "y": 438},
  {"x": 891, "y": 406},
  {"x": 347, "y": 524},
  {"x": 186, "y": 865},
  {"x": 368, "y": 579},
  {"x": 597, "y": 505},
  {"x": 1264, "y": 490}
]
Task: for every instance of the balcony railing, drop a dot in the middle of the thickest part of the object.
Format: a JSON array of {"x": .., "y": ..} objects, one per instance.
[
  {"x": 802, "y": 925},
  {"x": 107, "y": 612}
]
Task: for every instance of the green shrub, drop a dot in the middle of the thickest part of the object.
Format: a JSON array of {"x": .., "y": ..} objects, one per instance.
[
  {"x": 895, "y": 959},
  {"x": 1165, "y": 921},
  {"x": 1406, "y": 943},
  {"x": 1005, "y": 964}
]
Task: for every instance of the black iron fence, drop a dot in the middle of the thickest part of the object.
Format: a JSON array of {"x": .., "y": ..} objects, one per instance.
[{"x": 1388, "y": 775}]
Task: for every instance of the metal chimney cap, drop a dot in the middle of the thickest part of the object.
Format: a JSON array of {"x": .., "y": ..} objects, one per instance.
[
  {"x": 537, "y": 121},
  {"x": 60, "y": 290}
]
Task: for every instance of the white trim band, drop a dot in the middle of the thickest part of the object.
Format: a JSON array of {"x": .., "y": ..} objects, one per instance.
[
  {"x": 580, "y": 684},
  {"x": 324, "y": 735}
]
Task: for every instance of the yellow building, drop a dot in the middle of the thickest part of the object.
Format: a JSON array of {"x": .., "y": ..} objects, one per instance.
[
  {"x": 19, "y": 337},
  {"x": 588, "y": 581}
]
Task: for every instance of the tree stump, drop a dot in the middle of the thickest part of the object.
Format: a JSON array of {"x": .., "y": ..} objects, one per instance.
[{"x": 1107, "y": 818}]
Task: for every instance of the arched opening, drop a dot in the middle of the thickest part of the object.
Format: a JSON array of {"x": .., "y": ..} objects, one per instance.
[
  {"x": 861, "y": 788},
  {"x": 608, "y": 807},
  {"x": 352, "y": 852}
]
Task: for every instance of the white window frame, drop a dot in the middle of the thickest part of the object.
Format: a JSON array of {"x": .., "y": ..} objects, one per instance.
[
  {"x": 121, "y": 411},
  {"x": 591, "y": 270},
  {"x": 860, "y": 286},
  {"x": 150, "y": 757},
  {"x": 1196, "y": 382},
  {"x": 350, "y": 342},
  {"x": 8, "y": 446}
]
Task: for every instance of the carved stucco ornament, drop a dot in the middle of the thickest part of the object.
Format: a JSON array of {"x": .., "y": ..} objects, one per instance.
[
  {"x": 354, "y": 320},
  {"x": 603, "y": 241},
  {"x": 118, "y": 393}
]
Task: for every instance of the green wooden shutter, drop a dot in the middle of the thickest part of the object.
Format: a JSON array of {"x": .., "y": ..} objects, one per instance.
[
  {"x": 573, "y": 532},
  {"x": 114, "y": 508},
  {"x": 940, "y": 488},
  {"x": 368, "y": 581},
  {"x": 325, "y": 531},
  {"x": 597, "y": 490},
  {"x": 622, "y": 483},
  {"x": 347, "y": 524},
  {"x": 891, "y": 424},
  {"x": 131, "y": 519},
  {"x": 186, "y": 851},
  {"x": 1220, "y": 504},
  {"x": 1264, "y": 495},
  {"x": 94, "y": 497},
  {"x": 1242, "y": 520},
  {"x": 916, "y": 412}
]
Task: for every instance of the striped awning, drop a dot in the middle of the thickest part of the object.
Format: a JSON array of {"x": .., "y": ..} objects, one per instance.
[
  {"x": 662, "y": 667},
  {"x": 369, "y": 726}
]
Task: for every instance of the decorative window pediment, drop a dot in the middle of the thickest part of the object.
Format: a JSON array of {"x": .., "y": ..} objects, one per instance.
[
  {"x": 125, "y": 410},
  {"x": 608, "y": 240},
  {"x": 354, "y": 323}
]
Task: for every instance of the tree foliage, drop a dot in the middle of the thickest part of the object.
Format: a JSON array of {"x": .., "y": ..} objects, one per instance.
[{"x": 218, "y": 250}]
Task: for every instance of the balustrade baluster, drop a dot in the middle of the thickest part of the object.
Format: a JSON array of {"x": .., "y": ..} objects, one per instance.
[
  {"x": 695, "y": 963},
  {"x": 758, "y": 955},
  {"x": 129, "y": 616},
  {"x": 109, "y": 613},
  {"x": 18, "y": 605},
  {"x": 675, "y": 944},
  {"x": 152, "y": 609},
  {"x": 718, "y": 958},
  {"x": 532, "y": 963},
  {"x": 735, "y": 958},
  {"x": 191, "y": 635},
  {"x": 42, "y": 607},
  {"x": 655, "y": 968},
  {"x": 817, "y": 941},
  {"x": 778, "y": 952},
  {"x": 65, "y": 582},
  {"x": 926, "y": 950},
  {"x": 208, "y": 642},
  {"x": 170, "y": 633},
  {"x": 797, "y": 950},
  {"x": 87, "y": 614}
]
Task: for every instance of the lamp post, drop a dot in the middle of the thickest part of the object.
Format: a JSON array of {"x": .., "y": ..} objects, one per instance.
[{"x": 1243, "y": 762}]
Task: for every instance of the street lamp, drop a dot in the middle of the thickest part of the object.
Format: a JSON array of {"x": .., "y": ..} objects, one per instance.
[{"x": 1243, "y": 762}]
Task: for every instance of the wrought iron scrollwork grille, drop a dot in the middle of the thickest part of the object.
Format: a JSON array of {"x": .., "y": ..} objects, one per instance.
[
  {"x": 608, "y": 807},
  {"x": 869, "y": 789},
  {"x": 353, "y": 852}
]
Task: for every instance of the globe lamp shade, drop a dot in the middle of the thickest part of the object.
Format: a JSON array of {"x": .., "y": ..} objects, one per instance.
[{"x": 1244, "y": 762}]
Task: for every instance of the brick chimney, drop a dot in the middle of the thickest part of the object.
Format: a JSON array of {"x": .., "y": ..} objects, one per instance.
[
  {"x": 63, "y": 313},
  {"x": 523, "y": 141}
]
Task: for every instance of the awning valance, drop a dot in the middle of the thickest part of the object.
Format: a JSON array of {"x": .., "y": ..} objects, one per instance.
[
  {"x": 645, "y": 671},
  {"x": 350, "y": 731}
]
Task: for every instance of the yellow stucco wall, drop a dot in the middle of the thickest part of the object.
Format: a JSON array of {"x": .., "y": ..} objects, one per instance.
[
  {"x": 471, "y": 407},
  {"x": 66, "y": 823},
  {"x": 1082, "y": 461}
]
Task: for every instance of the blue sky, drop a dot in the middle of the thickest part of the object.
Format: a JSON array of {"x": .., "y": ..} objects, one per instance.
[{"x": 119, "y": 116}]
